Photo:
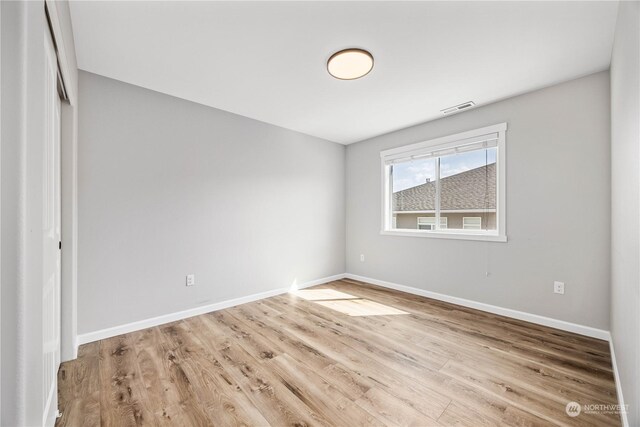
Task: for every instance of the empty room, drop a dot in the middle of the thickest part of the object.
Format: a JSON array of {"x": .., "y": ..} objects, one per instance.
[{"x": 319, "y": 213}]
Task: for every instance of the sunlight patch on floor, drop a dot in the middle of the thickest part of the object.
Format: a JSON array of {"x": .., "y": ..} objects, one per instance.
[
  {"x": 322, "y": 294},
  {"x": 360, "y": 307},
  {"x": 346, "y": 303}
]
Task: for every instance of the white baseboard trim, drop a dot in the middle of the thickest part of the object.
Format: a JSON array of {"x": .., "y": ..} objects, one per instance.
[
  {"x": 520, "y": 315},
  {"x": 616, "y": 376},
  {"x": 75, "y": 348},
  {"x": 172, "y": 317}
]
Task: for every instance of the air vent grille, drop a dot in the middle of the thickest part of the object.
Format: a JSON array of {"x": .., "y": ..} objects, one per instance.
[{"x": 456, "y": 108}]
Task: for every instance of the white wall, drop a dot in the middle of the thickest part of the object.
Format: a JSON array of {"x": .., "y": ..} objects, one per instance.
[
  {"x": 22, "y": 127},
  {"x": 557, "y": 167},
  {"x": 625, "y": 204},
  {"x": 10, "y": 194},
  {"x": 168, "y": 187}
]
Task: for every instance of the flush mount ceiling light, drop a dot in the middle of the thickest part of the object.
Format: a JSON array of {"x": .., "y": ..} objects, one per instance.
[{"x": 350, "y": 64}]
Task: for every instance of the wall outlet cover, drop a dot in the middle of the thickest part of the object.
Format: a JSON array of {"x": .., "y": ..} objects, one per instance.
[{"x": 558, "y": 287}]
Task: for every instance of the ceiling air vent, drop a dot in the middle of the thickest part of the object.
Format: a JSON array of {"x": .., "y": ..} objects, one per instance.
[{"x": 460, "y": 107}]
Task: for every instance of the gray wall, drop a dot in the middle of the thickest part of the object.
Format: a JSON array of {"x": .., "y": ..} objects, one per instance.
[
  {"x": 625, "y": 204},
  {"x": 168, "y": 187},
  {"x": 558, "y": 167}
]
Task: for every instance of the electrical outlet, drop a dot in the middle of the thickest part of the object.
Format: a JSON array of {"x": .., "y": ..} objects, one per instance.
[
  {"x": 558, "y": 287},
  {"x": 191, "y": 279},
  {"x": 361, "y": 257}
]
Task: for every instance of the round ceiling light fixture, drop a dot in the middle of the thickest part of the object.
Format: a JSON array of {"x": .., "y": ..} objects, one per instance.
[{"x": 350, "y": 64}]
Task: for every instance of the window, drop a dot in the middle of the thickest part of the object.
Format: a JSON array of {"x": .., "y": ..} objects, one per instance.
[
  {"x": 450, "y": 187},
  {"x": 429, "y": 222},
  {"x": 472, "y": 223}
]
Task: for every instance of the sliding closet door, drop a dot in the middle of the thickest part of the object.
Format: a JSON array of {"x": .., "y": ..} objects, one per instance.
[{"x": 51, "y": 235}]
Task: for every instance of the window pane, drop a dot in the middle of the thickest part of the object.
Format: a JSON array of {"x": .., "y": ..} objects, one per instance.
[
  {"x": 429, "y": 220},
  {"x": 429, "y": 223},
  {"x": 468, "y": 189},
  {"x": 472, "y": 223},
  {"x": 414, "y": 192}
]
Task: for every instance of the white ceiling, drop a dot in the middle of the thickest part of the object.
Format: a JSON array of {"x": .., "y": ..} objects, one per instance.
[{"x": 266, "y": 60}]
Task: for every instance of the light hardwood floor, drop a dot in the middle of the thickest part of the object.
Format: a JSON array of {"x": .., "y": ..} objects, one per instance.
[{"x": 289, "y": 360}]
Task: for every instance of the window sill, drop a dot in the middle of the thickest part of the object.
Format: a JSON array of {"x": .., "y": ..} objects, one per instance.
[{"x": 446, "y": 235}]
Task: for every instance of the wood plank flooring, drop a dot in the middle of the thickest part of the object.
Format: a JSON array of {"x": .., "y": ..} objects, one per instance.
[{"x": 293, "y": 360}]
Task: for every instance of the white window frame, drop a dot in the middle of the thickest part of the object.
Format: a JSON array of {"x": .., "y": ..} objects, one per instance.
[
  {"x": 444, "y": 144},
  {"x": 473, "y": 218}
]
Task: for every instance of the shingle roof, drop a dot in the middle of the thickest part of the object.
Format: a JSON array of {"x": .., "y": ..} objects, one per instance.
[{"x": 472, "y": 189}]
